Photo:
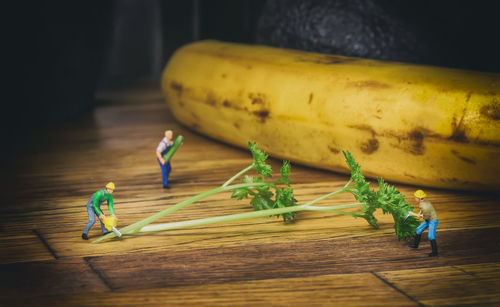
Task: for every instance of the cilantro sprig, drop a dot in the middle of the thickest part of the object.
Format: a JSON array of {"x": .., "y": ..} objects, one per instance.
[{"x": 275, "y": 198}]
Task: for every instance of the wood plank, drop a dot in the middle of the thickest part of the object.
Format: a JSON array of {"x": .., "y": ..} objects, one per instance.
[
  {"x": 474, "y": 284},
  {"x": 329, "y": 290},
  {"x": 20, "y": 281},
  {"x": 22, "y": 247},
  {"x": 299, "y": 258}
]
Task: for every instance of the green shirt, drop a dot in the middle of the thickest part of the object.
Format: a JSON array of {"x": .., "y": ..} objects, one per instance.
[
  {"x": 428, "y": 211},
  {"x": 101, "y": 196}
]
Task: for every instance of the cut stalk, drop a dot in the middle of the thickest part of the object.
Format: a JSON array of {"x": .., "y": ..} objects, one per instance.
[
  {"x": 142, "y": 226},
  {"x": 138, "y": 225},
  {"x": 242, "y": 216}
]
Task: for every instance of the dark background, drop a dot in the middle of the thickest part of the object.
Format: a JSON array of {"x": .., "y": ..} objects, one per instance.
[{"x": 60, "y": 53}]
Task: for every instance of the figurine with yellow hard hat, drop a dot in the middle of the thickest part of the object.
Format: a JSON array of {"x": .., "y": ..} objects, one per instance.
[
  {"x": 93, "y": 208},
  {"x": 428, "y": 213}
]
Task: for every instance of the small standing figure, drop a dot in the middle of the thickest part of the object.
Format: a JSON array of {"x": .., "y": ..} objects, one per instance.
[
  {"x": 93, "y": 208},
  {"x": 428, "y": 213},
  {"x": 161, "y": 150}
]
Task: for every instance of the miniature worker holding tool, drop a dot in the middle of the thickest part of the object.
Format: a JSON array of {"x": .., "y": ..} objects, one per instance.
[
  {"x": 93, "y": 208},
  {"x": 161, "y": 150},
  {"x": 428, "y": 213}
]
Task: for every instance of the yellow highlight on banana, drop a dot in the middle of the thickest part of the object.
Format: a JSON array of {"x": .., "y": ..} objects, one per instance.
[{"x": 415, "y": 124}]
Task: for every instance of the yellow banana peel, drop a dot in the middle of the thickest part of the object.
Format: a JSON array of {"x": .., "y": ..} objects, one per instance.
[{"x": 422, "y": 125}]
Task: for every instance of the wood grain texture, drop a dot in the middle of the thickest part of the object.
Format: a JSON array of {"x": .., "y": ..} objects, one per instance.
[
  {"x": 475, "y": 284},
  {"x": 22, "y": 247},
  {"x": 321, "y": 259},
  {"x": 327, "y": 290}
]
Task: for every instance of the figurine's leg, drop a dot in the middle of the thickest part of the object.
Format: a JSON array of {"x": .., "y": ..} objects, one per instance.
[
  {"x": 434, "y": 248},
  {"x": 168, "y": 168},
  {"x": 420, "y": 229},
  {"x": 416, "y": 242},
  {"x": 91, "y": 222},
  {"x": 164, "y": 174},
  {"x": 432, "y": 237}
]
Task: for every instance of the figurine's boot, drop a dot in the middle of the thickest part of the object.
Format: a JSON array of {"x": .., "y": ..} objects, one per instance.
[
  {"x": 434, "y": 249},
  {"x": 416, "y": 242}
]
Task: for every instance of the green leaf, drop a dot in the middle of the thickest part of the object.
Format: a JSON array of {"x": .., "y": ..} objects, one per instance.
[
  {"x": 259, "y": 161},
  {"x": 391, "y": 201},
  {"x": 285, "y": 198},
  {"x": 251, "y": 179},
  {"x": 285, "y": 173},
  {"x": 261, "y": 202},
  {"x": 240, "y": 193}
]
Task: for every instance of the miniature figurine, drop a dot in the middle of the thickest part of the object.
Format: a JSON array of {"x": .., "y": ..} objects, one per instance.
[
  {"x": 161, "y": 150},
  {"x": 428, "y": 213},
  {"x": 93, "y": 208}
]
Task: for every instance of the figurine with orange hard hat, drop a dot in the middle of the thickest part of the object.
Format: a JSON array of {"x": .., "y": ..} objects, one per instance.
[
  {"x": 93, "y": 209},
  {"x": 428, "y": 213}
]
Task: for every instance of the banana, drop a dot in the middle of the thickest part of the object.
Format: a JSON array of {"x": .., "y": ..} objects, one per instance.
[{"x": 421, "y": 125}]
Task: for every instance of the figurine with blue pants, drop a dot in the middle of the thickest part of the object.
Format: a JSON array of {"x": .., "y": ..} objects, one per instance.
[
  {"x": 161, "y": 150},
  {"x": 428, "y": 213},
  {"x": 93, "y": 208}
]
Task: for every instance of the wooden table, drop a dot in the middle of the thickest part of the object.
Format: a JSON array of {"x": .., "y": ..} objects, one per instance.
[{"x": 321, "y": 259}]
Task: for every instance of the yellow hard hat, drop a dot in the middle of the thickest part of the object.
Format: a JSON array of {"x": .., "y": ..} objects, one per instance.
[
  {"x": 420, "y": 194},
  {"x": 109, "y": 222},
  {"x": 110, "y": 185}
]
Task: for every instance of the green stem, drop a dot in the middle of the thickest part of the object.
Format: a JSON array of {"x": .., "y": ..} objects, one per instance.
[
  {"x": 237, "y": 175},
  {"x": 344, "y": 189},
  {"x": 141, "y": 225},
  {"x": 241, "y": 216},
  {"x": 138, "y": 225}
]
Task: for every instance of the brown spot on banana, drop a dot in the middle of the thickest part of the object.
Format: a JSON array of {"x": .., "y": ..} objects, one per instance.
[
  {"x": 257, "y": 98},
  {"x": 369, "y": 146},
  {"x": 211, "y": 100},
  {"x": 458, "y": 128},
  {"x": 226, "y": 103},
  {"x": 262, "y": 115},
  {"x": 491, "y": 111},
  {"x": 416, "y": 144},
  {"x": 371, "y": 84},
  {"x": 333, "y": 150},
  {"x": 177, "y": 87},
  {"x": 364, "y": 128},
  {"x": 310, "y": 98},
  {"x": 465, "y": 159},
  {"x": 408, "y": 175},
  {"x": 468, "y": 96},
  {"x": 195, "y": 116},
  {"x": 326, "y": 59}
]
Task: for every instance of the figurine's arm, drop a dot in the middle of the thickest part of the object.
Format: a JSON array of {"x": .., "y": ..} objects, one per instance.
[
  {"x": 110, "y": 207},
  {"x": 160, "y": 158},
  {"x": 419, "y": 215},
  {"x": 97, "y": 197}
]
